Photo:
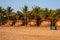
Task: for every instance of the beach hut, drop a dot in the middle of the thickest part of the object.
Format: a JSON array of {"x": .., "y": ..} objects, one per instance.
[
  {"x": 57, "y": 23},
  {"x": 19, "y": 23},
  {"x": 32, "y": 23},
  {"x": 45, "y": 23},
  {"x": 8, "y": 23}
]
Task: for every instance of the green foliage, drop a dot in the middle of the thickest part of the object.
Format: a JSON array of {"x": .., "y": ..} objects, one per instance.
[{"x": 36, "y": 13}]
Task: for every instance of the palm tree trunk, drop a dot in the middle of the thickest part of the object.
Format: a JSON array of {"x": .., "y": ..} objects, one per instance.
[
  {"x": 25, "y": 18},
  {"x": 0, "y": 20}
]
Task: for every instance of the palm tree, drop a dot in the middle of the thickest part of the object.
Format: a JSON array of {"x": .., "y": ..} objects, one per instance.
[
  {"x": 9, "y": 14},
  {"x": 57, "y": 17},
  {"x": 19, "y": 18},
  {"x": 34, "y": 15},
  {"x": 52, "y": 13},
  {"x": 4, "y": 18},
  {"x": 25, "y": 12},
  {"x": 1, "y": 15},
  {"x": 44, "y": 14}
]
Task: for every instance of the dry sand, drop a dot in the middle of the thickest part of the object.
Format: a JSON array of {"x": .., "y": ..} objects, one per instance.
[{"x": 28, "y": 33}]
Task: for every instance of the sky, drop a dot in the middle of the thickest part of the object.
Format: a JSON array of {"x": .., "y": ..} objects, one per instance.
[{"x": 19, "y": 4}]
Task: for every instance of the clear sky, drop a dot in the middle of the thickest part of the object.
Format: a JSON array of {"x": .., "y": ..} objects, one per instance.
[{"x": 18, "y": 4}]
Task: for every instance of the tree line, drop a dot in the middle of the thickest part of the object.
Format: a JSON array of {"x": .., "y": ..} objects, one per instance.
[{"x": 37, "y": 13}]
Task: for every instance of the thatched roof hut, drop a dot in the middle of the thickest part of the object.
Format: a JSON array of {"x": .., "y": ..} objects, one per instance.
[
  {"x": 57, "y": 23},
  {"x": 32, "y": 23},
  {"x": 45, "y": 23},
  {"x": 19, "y": 23},
  {"x": 9, "y": 22}
]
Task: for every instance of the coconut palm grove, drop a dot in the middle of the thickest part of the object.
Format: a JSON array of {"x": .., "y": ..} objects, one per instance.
[{"x": 36, "y": 17}]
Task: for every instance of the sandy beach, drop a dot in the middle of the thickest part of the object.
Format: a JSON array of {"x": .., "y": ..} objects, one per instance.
[{"x": 28, "y": 33}]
